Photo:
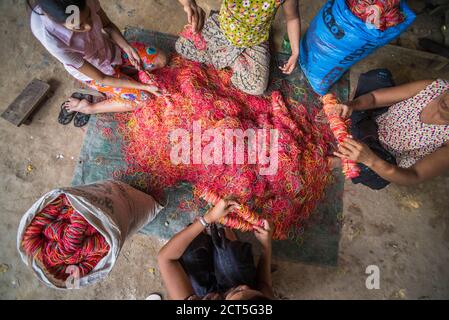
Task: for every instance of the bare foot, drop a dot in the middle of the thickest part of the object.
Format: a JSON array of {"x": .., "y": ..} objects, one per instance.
[
  {"x": 334, "y": 163},
  {"x": 76, "y": 105}
]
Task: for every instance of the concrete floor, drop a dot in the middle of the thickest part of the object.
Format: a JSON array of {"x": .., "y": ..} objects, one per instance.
[{"x": 404, "y": 231}]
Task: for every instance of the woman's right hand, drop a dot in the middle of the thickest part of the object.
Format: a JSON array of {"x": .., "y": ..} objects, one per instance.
[
  {"x": 343, "y": 110},
  {"x": 221, "y": 210},
  {"x": 265, "y": 234},
  {"x": 195, "y": 15}
]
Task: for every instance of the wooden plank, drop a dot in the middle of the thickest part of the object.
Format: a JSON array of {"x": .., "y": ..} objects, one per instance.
[{"x": 26, "y": 103}]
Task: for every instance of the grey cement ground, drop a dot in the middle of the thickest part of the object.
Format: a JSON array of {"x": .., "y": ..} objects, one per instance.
[{"x": 404, "y": 231}]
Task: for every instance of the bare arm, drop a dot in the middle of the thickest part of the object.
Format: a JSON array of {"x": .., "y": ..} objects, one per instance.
[
  {"x": 95, "y": 74},
  {"x": 113, "y": 31},
  {"x": 291, "y": 11},
  {"x": 382, "y": 98},
  {"x": 431, "y": 166},
  {"x": 116, "y": 35},
  {"x": 264, "y": 280},
  {"x": 388, "y": 96},
  {"x": 293, "y": 18}
]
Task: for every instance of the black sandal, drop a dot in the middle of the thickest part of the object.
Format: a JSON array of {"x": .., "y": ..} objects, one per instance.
[
  {"x": 65, "y": 116},
  {"x": 82, "y": 119}
]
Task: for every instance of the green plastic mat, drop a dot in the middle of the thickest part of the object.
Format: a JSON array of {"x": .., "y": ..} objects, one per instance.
[{"x": 101, "y": 158}]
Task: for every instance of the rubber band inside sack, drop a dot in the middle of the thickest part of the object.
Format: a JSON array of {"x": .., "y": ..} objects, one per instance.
[
  {"x": 340, "y": 130},
  {"x": 245, "y": 220}
]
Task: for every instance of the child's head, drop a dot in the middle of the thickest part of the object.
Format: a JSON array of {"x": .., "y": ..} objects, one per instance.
[
  {"x": 244, "y": 293},
  {"x": 73, "y": 14}
]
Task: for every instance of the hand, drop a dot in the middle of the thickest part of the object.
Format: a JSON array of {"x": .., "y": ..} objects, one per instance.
[
  {"x": 291, "y": 64},
  {"x": 265, "y": 234},
  {"x": 195, "y": 16},
  {"x": 343, "y": 110},
  {"x": 221, "y": 210},
  {"x": 356, "y": 151},
  {"x": 134, "y": 58}
]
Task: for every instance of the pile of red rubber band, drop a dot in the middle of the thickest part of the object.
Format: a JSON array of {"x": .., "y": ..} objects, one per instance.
[
  {"x": 198, "y": 93},
  {"x": 59, "y": 237},
  {"x": 383, "y": 14}
]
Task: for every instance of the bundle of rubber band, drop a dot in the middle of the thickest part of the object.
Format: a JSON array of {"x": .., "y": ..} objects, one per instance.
[
  {"x": 196, "y": 37},
  {"x": 196, "y": 93},
  {"x": 341, "y": 132},
  {"x": 245, "y": 219},
  {"x": 59, "y": 237},
  {"x": 383, "y": 14}
]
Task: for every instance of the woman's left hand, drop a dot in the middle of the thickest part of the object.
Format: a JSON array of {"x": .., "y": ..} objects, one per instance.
[
  {"x": 221, "y": 210},
  {"x": 291, "y": 64},
  {"x": 356, "y": 151},
  {"x": 134, "y": 57}
]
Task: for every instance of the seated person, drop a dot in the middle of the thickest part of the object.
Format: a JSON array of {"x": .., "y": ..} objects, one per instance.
[
  {"x": 93, "y": 50},
  {"x": 238, "y": 37},
  {"x": 400, "y": 133},
  {"x": 195, "y": 265}
]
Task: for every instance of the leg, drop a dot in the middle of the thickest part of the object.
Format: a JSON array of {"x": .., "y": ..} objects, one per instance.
[
  {"x": 252, "y": 70},
  {"x": 106, "y": 106},
  {"x": 214, "y": 48},
  {"x": 119, "y": 99},
  {"x": 364, "y": 126},
  {"x": 187, "y": 49}
]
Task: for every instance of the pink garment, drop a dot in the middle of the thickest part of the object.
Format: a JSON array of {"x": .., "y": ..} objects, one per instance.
[
  {"x": 73, "y": 48},
  {"x": 404, "y": 135}
]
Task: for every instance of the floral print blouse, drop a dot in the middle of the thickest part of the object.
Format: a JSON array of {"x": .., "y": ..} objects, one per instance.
[
  {"x": 247, "y": 23},
  {"x": 404, "y": 135}
]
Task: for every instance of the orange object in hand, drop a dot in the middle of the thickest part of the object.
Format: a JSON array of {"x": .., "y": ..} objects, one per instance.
[
  {"x": 245, "y": 220},
  {"x": 340, "y": 130}
]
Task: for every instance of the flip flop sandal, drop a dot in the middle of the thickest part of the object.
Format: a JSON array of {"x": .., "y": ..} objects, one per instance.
[
  {"x": 65, "y": 116},
  {"x": 81, "y": 119},
  {"x": 83, "y": 96}
]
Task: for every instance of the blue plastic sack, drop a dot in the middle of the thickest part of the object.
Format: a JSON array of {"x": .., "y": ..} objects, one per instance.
[{"x": 337, "y": 39}]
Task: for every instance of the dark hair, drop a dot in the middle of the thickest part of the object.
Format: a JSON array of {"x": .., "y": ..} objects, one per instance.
[{"x": 56, "y": 9}]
